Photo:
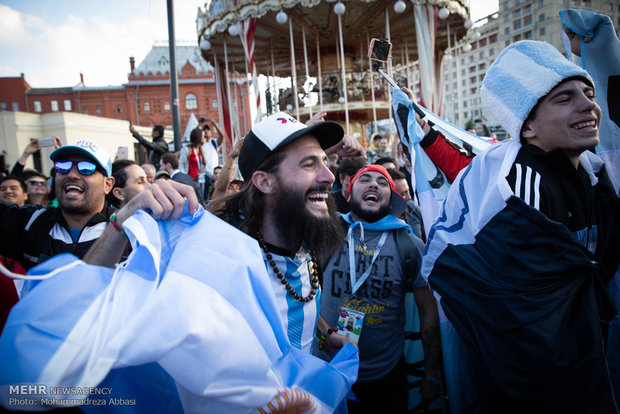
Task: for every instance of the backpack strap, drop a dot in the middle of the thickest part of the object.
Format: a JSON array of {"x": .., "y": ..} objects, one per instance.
[{"x": 407, "y": 253}]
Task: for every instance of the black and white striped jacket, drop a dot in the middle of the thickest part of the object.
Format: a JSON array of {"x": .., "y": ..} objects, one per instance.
[{"x": 33, "y": 234}]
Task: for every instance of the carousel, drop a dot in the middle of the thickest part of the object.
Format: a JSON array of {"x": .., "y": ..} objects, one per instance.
[{"x": 304, "y": 56}]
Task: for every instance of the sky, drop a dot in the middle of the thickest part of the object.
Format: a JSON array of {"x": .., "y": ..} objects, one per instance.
[{"x": 52, "y": 41}]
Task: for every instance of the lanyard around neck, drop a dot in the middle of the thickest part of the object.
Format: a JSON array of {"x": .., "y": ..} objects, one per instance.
[{"x": 355, "y": 283}]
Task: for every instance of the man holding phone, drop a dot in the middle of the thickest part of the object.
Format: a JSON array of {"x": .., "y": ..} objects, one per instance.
[{"x": 157, "y": 147}]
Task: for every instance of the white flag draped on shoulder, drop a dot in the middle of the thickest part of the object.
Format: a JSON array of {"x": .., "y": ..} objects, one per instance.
[{"x": 194, "y": 298}]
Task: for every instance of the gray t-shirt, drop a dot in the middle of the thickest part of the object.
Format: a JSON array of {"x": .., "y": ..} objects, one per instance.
[{"x": 380, "y": 298}]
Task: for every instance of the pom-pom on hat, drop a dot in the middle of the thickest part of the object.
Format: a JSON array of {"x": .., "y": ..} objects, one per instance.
[
  {"x": 522, "y": 74},
  {"x": 277, "y": 131}
]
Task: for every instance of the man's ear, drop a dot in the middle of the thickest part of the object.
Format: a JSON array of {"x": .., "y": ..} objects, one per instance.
[
  {"x": 265, "y": 182},
  {"x": 118, "y": 193},
  {"x": 526, "y": 130},
  {"x": 108, "y": 184}
]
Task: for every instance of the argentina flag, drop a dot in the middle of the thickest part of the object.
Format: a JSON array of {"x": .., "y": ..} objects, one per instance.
[
  {"x": 188, "y": 323},
  {"x": 429, "y": 182},
  {"x": 514, "y": 288}
]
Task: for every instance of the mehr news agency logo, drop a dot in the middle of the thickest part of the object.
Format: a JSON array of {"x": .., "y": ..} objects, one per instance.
[{"x": 42, "y": 395}]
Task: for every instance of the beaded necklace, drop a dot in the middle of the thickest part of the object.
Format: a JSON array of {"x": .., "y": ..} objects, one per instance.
[{"x": 280, "y": 276}]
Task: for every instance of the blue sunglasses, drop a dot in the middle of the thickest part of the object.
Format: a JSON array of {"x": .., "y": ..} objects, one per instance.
[{"x": 83, "y": 167}]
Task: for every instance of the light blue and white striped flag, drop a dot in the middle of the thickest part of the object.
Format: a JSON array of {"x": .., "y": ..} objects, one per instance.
[
  {"x": 194, "y": 297},
  {"x": 428, "y": 180}
]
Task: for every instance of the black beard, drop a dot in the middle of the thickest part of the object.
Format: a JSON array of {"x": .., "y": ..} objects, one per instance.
[
  {"x": 299, "y": 227},
  {"x": 369, "y": 216}
]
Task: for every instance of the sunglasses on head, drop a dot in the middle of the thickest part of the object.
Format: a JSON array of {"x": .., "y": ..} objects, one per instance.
[{"x": 83, "y": 167}]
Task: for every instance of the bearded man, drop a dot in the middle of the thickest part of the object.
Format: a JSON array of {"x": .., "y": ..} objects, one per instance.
[{"x": 286, "y": 206}]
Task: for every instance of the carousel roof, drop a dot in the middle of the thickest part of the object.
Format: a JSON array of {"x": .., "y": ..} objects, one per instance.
[{"x": 362, "y": 20}]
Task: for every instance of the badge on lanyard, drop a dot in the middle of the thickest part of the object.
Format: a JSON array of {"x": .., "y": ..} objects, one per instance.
[{"x": 350, "y": 324}]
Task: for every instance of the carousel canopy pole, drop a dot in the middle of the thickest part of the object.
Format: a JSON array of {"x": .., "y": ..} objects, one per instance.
[
  {"x": 174, "y": 84},
  {"x": 372, "y": 90},
  {"x": 293, "y": 68},
  {"x": 303, "y": 35},
  {"x": 230, "y": 108},
  {"x": 344, "y": 78},
  {"x": 389, "y": 65},
  {"x": 273, "y": 78},
  {"x": 318, "y": 60}
]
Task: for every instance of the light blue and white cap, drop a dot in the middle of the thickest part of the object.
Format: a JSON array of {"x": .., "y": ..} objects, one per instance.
[
  {"x": 88, "y": 149},
  {"x": 521, "y": 75}
]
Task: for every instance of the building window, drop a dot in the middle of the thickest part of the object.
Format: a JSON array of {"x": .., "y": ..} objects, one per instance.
[
  {"x": 54, "y": 106},
  {"x": 464, "y": 104},
  {"x": 482, "y": 54},
  {"x": 527, "y": 8},
  {"x": 473, "y": 91},
  {"x": 67, "y": 104},
  {"x": 541, "y": 17},
  {"x": 471, "y": 58},
  {"x": 517, "y": 24},
  {"x": 527, "y": 35},
  {"x": 37, "y": 106},
  {"x": 98, "y": 110},
  {"x": 85, "y": 110},
  {"x": 542, "y": 31},
  {"x": 190, "y": 101},
  {"x": 482, "y": 66},
  {"x": 483, "y": 42},
  {"x": 214, "y": 104},
  {"x": 472, "y": 69},
  {"x": 472, "y": 79},
  {"x": 166, "y": 106},
  {"x": 517, "y": 2},
  {"x": 491, "y": 52},
  {"x": 506, "y": 6},
  {"x": 147, "y": 107},
  {"x": 516, "y": 38},
  {"x": 493, "y": 38},
  {"x": 3, "y": 106},
  {"x": 527, "y": 20},
  {"x": 506, "y": 30},
  {"x": 119, "y": 109},
  {"x": 15, "y": 105},
  {"x": 480, "y": 78},
  {"x": 506, "y": 43},
  {"x": 516, "y": 13},
  {"x": 541, "y": 3},
  {"x": 464, "y": 83}
]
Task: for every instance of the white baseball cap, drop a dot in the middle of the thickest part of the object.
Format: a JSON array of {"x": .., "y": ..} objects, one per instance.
[{"x": 277, "y": 131}]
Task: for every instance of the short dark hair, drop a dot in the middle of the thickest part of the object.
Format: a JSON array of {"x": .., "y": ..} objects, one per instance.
[
  {"x": 384, "y": 160},
  {"x": 29, "y": 173},
  {"x": 159, "y": 129},
  {"x": 170, "y": 158},
  {"x": 396, "y": 175},
  {"x": 376, "y": 137},
  {"x": 21, "y": 182},
  {"x": 120, "y": 179},
  {"x": 350, "y": 165}
]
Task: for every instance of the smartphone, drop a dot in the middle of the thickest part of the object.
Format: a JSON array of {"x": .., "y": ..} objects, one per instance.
[
  {"x": 379, "y": 49},
  {"x": 122, "y": 153},
  {"x": 46, "y": 142}
]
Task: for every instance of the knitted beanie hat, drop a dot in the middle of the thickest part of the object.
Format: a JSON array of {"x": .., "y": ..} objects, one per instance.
[{"x": 521, "y": 75}]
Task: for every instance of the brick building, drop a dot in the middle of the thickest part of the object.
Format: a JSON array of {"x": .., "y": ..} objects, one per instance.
[{"x": 144, "y": 100}]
